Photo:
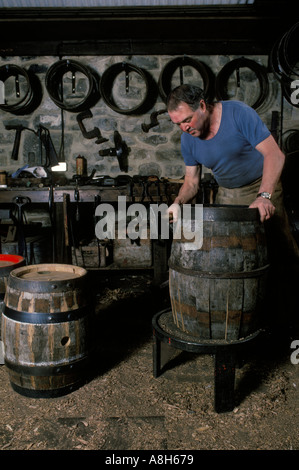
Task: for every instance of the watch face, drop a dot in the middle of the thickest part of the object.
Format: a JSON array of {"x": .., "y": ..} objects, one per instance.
[{"x": 264, "y": 195}]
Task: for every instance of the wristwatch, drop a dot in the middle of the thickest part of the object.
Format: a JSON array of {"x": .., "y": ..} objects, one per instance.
[{"x": 264, "y": 195}]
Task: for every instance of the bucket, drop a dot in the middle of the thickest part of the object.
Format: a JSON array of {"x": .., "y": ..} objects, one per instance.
[
  {"x": 7, "y": 264},
  {"x": 217, "y": 291},
  {"x": 47, "y": 329}
]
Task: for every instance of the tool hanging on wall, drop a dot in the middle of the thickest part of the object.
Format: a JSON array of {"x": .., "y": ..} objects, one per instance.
[
  {"x": 45, "y": 139},
  {"x": 77, "y": 199},
  {"x": 18, "y": 128},
  {"x": 95, "y": 132},
  {"x": 120, "y": 151},
  {"x": 153, "y": 120},
  {"x": 20, "y": 201},
  {"x": 274, "y": 125}
]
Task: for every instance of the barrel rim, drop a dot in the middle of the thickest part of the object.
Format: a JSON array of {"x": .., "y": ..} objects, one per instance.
[
  {"x": 229, "y": 213},
  {"x": 12, "y": 258},
  {"x": 16, "y": 262},
  {"x": 41, "y": 285}
]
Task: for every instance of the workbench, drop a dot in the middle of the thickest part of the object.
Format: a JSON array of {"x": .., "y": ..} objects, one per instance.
[
  {"x": 87, "y": 193},
  {"x": 57, "y": 199}
]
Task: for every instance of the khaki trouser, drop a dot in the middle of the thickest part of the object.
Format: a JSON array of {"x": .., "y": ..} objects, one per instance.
[{"x": 282, "y": 248}]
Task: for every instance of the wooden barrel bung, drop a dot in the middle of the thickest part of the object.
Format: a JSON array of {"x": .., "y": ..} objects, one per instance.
[
  {"x": 47, "y": 329},
  {"x": 217, "y": 291}
]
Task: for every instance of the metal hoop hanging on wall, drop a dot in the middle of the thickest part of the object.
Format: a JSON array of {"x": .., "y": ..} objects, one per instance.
[
  {"x": 288, "y": 51},
  {"x": 224, "y": 74},
  {"x": 179, "y": 63},
  {"x": 106, "y": 87},
  {"x": 283, "y": 59},
  {"x": 54, "y": 85},
  {"x": 26, "y": 100}
]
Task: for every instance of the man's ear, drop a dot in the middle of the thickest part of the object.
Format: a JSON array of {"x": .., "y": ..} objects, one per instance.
[{"x": 203, "y": 105}]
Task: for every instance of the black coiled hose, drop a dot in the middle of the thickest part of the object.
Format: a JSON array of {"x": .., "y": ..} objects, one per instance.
[
  {"x": 54, "y": 85},
  {"x": 234, "y": 65},
  {"x": 106, "y": 87},
  {"x": 26, "y": 100},
  {"x": 284, "y": 60},
  {"x": 179, "y": 63}
]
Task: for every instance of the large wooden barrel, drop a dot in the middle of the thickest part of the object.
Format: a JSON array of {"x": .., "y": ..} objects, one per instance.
[
  {"x": 217, "y": 291},
  {"x": 47, "y": 329}
]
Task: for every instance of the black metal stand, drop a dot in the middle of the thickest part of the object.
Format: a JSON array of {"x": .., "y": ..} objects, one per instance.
[{"x": 226, "y": 355}]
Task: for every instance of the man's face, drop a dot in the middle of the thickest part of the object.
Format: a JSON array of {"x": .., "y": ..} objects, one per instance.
[{"x": 195, "y": 123}]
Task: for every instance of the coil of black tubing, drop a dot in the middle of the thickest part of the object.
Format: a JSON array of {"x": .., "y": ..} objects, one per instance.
[
  {"x": 230, "y": 67},
  {"x": 280, "y": 66},
  {"x": 106, "y": 87},
  {"x": 168, "y": 71},
  {"x": 32, "y": 97},
  {"x": 53, "y": 82},
  {"x": 289, "y": 41}
]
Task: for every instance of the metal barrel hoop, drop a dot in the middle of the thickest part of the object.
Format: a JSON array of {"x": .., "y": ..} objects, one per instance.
[
  {"x": 53, "y": 82},
  {"x": 106, "y": 87},
  {"x": 280, "y": 62},
  {"x": 230, "y": 67},
  {"x": 170, "y": 68},
  {"x": 288, "y": 50},
  {"x": 33, "y": 92}
]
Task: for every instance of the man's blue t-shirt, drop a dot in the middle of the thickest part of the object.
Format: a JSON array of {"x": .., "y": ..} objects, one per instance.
[{"x": 231, "y": 153}]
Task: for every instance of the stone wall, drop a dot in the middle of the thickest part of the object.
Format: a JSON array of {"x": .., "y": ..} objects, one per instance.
[{"x": 154, "y": 152}]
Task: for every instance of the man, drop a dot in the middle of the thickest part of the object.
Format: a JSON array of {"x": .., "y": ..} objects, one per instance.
[{"x": 229, "y": 138}]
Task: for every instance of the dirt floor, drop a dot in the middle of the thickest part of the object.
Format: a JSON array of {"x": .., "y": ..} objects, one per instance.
[{"x": 123, "y": 407}]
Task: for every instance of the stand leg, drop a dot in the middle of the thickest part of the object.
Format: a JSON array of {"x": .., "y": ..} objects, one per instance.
[
  {"x": 156, "y": 356},
  {"x": 225, "y": 361}
]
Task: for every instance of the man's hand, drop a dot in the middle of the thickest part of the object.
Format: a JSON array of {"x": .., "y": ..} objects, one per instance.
[
  {"x": 175, "y": 210},
  {"x": 265, "y": 207}
]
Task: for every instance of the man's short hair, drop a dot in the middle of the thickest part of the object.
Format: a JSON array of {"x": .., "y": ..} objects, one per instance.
[{"x": 190, "y": 94}]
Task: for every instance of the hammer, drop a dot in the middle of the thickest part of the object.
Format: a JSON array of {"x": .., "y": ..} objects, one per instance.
[{"x": 18, "y": 128}]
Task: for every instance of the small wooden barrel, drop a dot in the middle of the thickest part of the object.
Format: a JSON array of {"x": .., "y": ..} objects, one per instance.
[
  {"x": 7, "y": 264},
  {"x": 47, "y": 329},
  {"x": 217, "y": 291}
]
